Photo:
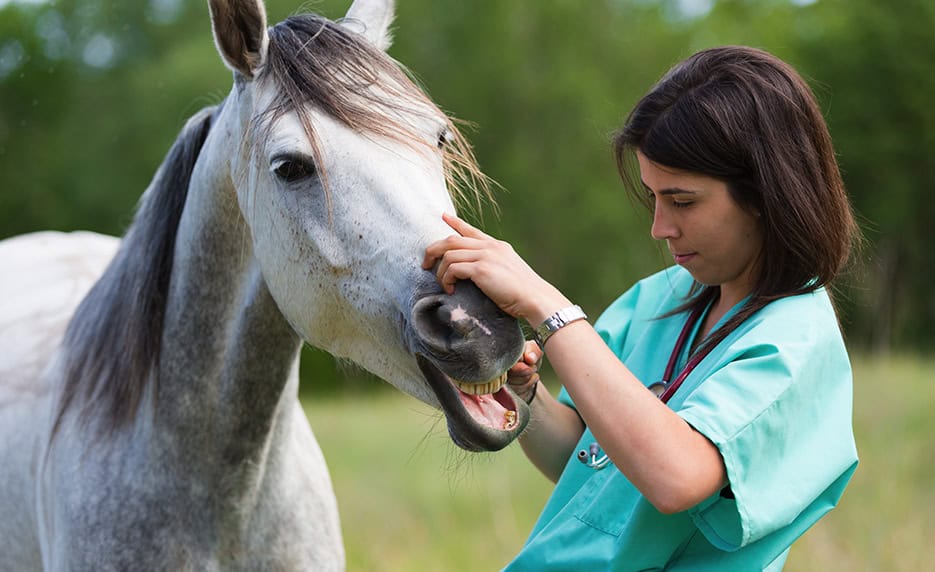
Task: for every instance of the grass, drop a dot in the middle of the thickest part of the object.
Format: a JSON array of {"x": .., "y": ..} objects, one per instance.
[
  {"x": 411, "y": 501},
  {"x": 886, "y": 519}
]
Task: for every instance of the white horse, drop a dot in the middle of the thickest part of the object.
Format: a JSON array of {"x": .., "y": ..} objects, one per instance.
[{"x": 161, "y": 428}]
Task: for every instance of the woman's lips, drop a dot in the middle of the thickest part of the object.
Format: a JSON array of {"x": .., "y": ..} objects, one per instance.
[{"x": 683, "y": 258}]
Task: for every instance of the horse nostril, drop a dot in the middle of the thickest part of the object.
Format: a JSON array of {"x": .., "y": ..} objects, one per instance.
[
  {"x": 465, "y": 334},
  {"x": 444, "y": 323},
  {"x": 432, "y": 319},
  {"x": 463, "y": 327}
]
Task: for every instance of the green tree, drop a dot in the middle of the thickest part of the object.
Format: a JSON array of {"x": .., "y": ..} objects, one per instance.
[{"x": 93, "y": 93}]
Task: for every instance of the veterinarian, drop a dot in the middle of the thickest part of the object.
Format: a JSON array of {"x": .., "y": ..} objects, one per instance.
[{"x": 705, "y": 418}]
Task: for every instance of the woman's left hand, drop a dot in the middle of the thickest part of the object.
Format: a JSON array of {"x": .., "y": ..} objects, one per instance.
[
  {"x": 523, "y": 377},
  {"x": 495, "y": 268}
]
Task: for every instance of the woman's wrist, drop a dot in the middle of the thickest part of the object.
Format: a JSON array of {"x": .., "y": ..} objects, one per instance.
[
  {"x": 525, "y": 390},
  {"x": 530, "y": 395},
  {"x": 543, "y": 305},
  {"x": 557, "y": 321}
]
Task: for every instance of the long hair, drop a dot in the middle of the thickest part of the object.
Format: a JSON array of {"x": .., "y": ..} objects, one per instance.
[
  {"x": 113, "y": 342},
  {"x": 314, "y": 61},
  {"x": 745, "y": 117}
]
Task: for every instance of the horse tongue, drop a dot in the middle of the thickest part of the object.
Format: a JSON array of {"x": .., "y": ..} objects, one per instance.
[{"x": 488, "y": 411}]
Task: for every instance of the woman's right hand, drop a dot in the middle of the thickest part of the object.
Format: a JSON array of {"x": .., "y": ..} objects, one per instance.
[{"x": 494, "y": 267}]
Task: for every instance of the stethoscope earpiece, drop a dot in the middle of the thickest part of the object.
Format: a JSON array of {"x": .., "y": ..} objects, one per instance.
[{"x": 590, "y": 459}]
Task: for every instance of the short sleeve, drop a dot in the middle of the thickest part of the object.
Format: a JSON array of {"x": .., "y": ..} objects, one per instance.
[{"x": 779, "y": 411}]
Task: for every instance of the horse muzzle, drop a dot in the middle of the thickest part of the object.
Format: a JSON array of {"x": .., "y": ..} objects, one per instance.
[{"x": 464, "y": 345}]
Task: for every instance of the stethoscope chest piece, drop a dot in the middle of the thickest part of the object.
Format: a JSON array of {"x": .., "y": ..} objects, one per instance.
[{"x": 658, "y": 388}]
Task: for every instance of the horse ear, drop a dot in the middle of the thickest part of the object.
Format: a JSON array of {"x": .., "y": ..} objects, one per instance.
[
  {"x": 240, "y": 34},
  {"x": 372, "y": 18}
]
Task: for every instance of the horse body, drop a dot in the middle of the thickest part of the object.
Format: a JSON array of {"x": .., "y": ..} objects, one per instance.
[
  {"x": 46, "y": 276},
  {"x": 219, "y": 469},
  {"x": 163, "y": 430}
]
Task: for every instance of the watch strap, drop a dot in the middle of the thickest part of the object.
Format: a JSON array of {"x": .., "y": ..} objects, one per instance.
[{"x": 557, "y": 321}]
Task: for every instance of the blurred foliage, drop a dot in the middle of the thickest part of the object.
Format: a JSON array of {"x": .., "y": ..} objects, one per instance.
[{"x": 93, "y": 92}]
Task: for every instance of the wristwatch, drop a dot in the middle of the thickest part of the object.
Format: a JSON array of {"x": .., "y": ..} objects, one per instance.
[{"x": 556, "y": 322}]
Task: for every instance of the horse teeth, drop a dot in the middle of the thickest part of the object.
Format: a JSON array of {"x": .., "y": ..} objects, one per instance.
[{"x": 485, "y": 388}]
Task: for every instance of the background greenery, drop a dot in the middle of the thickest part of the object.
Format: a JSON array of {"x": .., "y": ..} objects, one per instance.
[
  {"x": 410, "y": 501},
  {"x": 93, "y": 92}
]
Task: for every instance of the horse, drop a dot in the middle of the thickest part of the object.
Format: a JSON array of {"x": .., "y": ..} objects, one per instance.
[{"x": 149, "y": 412}]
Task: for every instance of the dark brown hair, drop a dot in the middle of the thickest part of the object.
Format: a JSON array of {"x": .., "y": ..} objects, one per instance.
[{"x": 745, "y": 117}]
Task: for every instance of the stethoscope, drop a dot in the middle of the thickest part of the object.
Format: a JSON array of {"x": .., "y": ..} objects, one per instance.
[{"x": 663, "y": 389}]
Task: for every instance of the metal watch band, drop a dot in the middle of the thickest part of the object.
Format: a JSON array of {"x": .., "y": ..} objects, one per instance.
[{"x": 557, "y": 321}]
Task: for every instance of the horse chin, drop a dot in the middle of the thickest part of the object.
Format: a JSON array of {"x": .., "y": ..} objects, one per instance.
[{"x": 486, "y": 422}]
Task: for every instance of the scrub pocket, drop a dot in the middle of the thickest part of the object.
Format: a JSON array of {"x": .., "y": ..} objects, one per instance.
[
  {"x": 605, "y": 502},
  {"x": 643, "y": 537}
]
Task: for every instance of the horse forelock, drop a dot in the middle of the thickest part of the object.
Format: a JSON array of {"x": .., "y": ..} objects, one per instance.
[
  {"x": 314, "y": 61},
  {"x": 112, "y": 343}
]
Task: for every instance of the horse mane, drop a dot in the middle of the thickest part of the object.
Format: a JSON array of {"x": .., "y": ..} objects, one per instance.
[
  {"x": 112, "y": 343},
  {"x": 314, "y": 61}
]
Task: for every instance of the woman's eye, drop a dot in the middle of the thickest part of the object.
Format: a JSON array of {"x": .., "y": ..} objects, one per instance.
[
  {"x": 293, "y": 169},
  {"x": 681, "y": 204}
]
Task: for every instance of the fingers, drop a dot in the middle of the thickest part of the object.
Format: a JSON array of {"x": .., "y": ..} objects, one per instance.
[
  {"x": 531, "y": 353},
  {"x": 529, "y": 362},
  {"x": 462, "y": 227},
  {"x": 468, "y": 238},
  {"x": 454, "y": 264},
  {"x": 439, "y": 248},
  {"x": 449, "y": 273}
]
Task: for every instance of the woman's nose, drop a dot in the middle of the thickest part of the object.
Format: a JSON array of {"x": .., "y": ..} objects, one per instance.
[{"x": 663, "y": 227}]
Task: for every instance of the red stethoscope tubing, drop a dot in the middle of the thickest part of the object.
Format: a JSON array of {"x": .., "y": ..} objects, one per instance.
[
  {"x": 670, "y": 387},
  {"x": 589, "y": 456}
]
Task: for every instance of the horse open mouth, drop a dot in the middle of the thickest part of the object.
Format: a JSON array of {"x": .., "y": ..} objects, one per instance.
[{"x": 481, "y": 416}]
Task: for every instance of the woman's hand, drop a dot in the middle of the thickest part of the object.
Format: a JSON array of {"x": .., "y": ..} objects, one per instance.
[
  {"x": 523, "y": 377},
  {"x": 496, "y": 269}
]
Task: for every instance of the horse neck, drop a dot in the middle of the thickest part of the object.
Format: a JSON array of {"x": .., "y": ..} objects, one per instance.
[{"x": 229, "y": 360}]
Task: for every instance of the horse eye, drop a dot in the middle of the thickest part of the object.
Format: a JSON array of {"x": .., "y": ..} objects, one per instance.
[
  {"x": 292, "y": 169},
  {"x": 444, "y": 138}
]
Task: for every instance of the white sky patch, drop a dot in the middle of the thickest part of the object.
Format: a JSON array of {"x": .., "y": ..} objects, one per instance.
[
  {"x": 11, "y": 57},
  {"x": 51, "y": 28},
  {"x": 24, "y": 2},
  {"x": 692, "y": 9},
  {"x": 164, "y": 11},
  {"x": 99, "y": 52}
]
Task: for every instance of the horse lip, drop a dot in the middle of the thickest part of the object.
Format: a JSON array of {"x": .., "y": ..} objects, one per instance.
[{"x": 463, "y": 429}]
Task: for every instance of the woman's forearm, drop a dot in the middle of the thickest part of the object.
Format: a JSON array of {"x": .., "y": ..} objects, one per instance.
[
  {"x": 552, "y": 434},
  {"x": 673, "y": 465}
]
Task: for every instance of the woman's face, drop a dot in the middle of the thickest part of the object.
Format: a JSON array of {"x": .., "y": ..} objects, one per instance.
[{"x": 706, "y": 231}]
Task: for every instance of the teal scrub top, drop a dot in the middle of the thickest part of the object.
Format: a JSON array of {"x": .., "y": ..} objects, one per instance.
[{"x": 775, "y": 397}]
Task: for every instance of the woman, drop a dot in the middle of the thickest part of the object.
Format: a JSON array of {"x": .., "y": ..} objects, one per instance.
[{"x": 751, "y": 442}]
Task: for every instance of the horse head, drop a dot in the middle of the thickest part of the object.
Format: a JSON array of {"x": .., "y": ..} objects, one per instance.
[{"x": 341, "y": 167}]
